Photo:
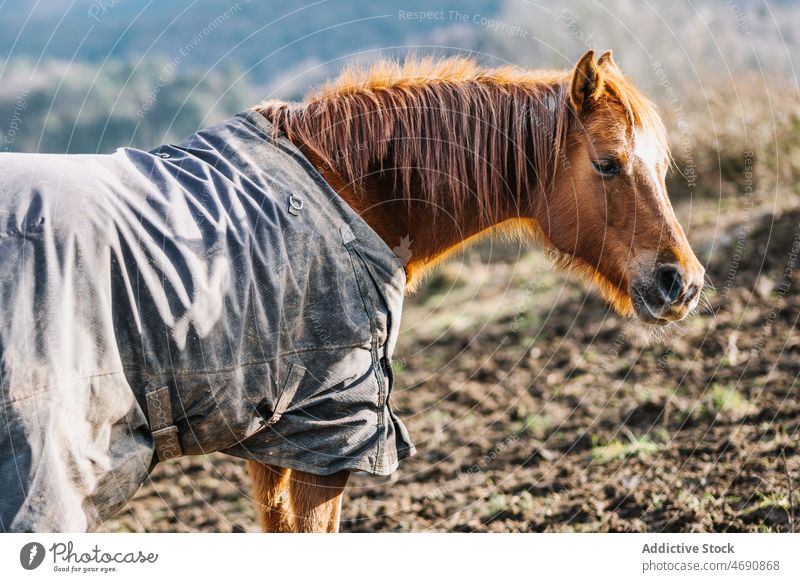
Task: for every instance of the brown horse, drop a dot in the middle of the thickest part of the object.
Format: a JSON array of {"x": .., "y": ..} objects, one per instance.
[{"x": 440, "y": 153}]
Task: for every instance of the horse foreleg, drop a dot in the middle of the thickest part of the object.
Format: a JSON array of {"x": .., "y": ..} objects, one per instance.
[
  {"x": 316, "y": 501},
  {"x": 271, "y": 491}
]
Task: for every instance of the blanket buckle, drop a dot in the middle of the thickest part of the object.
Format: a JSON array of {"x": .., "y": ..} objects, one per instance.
[{"x": 162, "y": 425}]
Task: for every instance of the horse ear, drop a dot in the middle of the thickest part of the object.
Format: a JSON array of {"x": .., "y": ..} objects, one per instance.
[
  {"x": 606, "y": 61},
  {"x": 587, "y": 83}
]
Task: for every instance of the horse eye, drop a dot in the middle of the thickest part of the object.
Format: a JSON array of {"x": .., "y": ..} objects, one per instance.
[{"x": 606, "y": 167}]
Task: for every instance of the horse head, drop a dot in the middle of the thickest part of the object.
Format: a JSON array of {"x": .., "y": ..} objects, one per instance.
[{"x": 607, "y": 213}]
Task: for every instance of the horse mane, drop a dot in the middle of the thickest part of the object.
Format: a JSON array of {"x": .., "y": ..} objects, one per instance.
[
  {"x": 447, "y": 126},
  {"x": 440, "y": 127}
]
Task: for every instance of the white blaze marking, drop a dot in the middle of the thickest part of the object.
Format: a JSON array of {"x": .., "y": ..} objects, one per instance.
[{"x": 645, "y": 147}]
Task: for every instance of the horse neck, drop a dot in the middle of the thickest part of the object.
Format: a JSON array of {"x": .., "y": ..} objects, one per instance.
[
  {"x": 420, "y": 236},
  {"x": 421, "y": 230}
]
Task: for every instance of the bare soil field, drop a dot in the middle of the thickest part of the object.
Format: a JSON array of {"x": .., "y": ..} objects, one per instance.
[{"x": 534, "y": 408}]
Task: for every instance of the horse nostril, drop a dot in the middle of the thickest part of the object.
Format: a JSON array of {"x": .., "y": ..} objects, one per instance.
[
  {"x": 669, "y": 284},
  {"x": 691, "y": 293}
]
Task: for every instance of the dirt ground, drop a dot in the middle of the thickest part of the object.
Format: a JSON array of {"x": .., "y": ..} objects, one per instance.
[{"x": 535, "y": 409}]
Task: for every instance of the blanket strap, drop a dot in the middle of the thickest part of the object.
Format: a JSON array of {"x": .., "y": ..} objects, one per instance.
[{"x": 162, "y": 427}]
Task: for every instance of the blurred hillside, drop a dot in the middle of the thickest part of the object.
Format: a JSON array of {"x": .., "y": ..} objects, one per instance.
[{"x": 102, "y": 73}]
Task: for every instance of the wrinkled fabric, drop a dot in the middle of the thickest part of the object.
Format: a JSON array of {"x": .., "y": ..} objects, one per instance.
[{"x": 224, "y": 268}]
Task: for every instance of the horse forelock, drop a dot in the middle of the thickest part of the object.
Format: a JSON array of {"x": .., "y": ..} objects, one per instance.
[{"x": 643, "y": 116}]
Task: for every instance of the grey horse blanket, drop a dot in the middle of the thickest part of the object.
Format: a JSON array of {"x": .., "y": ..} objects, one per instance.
[{"x": 215, "y": 295}]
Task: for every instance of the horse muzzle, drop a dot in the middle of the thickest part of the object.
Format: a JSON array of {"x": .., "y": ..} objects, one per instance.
[{"x": 668, "y": 293}]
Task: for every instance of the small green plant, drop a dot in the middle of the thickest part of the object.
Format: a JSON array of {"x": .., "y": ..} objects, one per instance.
[
  {"x": 728, "y": 402},
  {"x": 533, "y": 424},
  {"x": 496, "y": 504},
  {"x": 616, "y": 450},
  {"x": 769, "y": 501},
  {"x": 504, "y": 502}
]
